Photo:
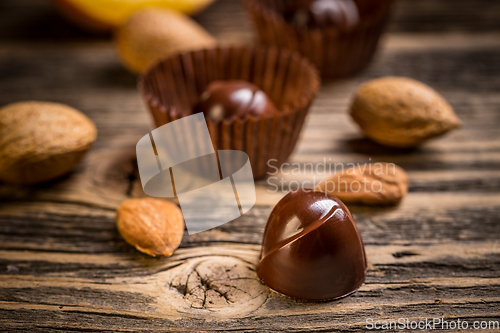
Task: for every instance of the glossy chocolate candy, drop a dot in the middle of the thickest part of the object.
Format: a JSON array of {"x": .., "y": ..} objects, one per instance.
[
  {"x": 342, "y": 14},
  {"x": 228, "y": 99},
  {"x": 311, "y": 248}
]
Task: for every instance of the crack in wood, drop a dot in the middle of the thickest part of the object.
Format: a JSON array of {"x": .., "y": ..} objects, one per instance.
[{"x": 218, "y": 284}]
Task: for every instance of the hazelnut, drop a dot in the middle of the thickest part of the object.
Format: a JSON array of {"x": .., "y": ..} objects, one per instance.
[
  {"x": 401, "y": 112},
  {"x": 152, "y": 226}
]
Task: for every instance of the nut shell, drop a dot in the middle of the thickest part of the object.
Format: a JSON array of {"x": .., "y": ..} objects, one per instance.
[
  {"x": 150, "y": 35},
  {"x": 379, "y": 184},
  {"x": 152, "y": 226},
  {"x": 401, "y": 112},
  {"x": 42, "y": 141}
]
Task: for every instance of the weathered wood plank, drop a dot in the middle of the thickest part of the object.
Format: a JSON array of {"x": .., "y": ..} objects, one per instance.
[
  {"x": 422, "y": 218},
  {"x": 157, "y": 292},
  {"x": 32, "y": 20},
  {"x": 390, "y": 256},
  {"x": 264, "y": 320}
]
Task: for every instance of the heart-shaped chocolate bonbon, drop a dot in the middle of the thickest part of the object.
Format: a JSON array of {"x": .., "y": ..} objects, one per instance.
[{"x": 311, "y": 248}]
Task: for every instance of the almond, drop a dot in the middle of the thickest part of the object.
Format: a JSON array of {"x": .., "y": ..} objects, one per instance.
[
  {"x": 42, "y": 141},
  {"x": 152, "y": 34},
  {"x": 152, "y": 226},
  {"x": 401, "y": 112},
  {"x": 380, "y": 184}
]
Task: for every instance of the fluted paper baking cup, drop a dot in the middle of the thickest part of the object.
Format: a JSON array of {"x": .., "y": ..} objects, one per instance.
[
  {"x": 173, "y": 86},
  {"x": 336, "y": 53}
]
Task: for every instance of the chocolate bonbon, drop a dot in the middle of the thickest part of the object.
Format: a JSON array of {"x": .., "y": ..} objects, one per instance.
[
  {"x": 342, "y": 14},
  {"x": 228, "y": 99},
  {"x": 311, "y": 248},
  {"x": 338, "y": 36}
]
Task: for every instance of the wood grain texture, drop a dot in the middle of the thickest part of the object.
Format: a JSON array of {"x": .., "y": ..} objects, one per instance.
[{"x": 64, "y": 267}]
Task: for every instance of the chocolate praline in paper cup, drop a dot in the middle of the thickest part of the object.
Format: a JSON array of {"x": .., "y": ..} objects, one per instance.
[
  {"x": 172, "y": 87},
  {"x": 335, "y": 52}
]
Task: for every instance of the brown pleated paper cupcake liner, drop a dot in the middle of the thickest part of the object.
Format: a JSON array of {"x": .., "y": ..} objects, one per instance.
[
  {"x": 336, "y": 53},
  {"x": 173, "y": 86}
]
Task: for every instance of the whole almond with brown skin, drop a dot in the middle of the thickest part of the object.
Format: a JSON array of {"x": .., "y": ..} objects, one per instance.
[
  {"x": 153, "y": 34},
  {"x": 41, "y": 141},
  {"x": 379, "y": 184},
  {"x": 401, "y": 112},
  {"x": 152, "y": 226}
]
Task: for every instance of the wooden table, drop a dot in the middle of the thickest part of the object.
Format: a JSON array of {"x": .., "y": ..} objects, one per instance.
[{"x": 63, "y": 265}]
